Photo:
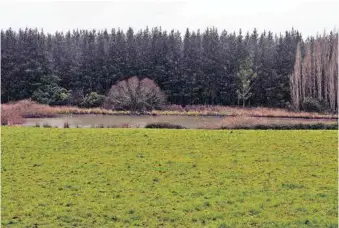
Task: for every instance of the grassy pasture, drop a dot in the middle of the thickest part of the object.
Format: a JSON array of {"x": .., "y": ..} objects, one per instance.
[{"x": 170, "y": 178}]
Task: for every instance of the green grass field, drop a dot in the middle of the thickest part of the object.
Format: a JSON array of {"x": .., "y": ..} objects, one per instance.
[{"x": 170, "y": 178}]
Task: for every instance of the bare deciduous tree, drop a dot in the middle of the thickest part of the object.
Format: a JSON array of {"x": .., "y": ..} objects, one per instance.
[
  {"x": 135, "y": 95},
  {"x": 316, "y": 75},
  {"x": 295, "y": 80}
]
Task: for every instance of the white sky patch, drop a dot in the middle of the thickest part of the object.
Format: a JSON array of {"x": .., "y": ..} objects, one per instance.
[{"x": 307, "y": 16}]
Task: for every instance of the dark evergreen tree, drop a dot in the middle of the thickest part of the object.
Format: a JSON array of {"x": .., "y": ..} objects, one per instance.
[{"x": 196, "y": 68}]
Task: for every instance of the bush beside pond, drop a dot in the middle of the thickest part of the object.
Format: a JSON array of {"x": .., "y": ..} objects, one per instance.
[{"x": 164, "y": 125}]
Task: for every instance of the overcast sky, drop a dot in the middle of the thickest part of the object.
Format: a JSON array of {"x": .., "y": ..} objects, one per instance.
[{"x": 308, "y": 16}]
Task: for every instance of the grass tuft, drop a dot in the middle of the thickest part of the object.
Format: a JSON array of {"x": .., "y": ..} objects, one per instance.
[
  {"x": 46, "y": 125},
  {"x": 66, "y": 125}
]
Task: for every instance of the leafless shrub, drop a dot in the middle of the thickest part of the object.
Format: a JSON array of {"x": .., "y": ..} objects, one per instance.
[{"x": 135, "y": 95}]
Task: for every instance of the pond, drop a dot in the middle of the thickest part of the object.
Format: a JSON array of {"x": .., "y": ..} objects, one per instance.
[{"x": 86, "y": 121}]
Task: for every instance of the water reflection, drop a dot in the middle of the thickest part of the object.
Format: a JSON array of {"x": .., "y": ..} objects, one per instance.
[{"x": 86, "y": 121}]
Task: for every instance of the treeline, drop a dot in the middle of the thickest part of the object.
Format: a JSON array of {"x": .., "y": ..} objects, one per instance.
[{"x": 192, "y": 68}]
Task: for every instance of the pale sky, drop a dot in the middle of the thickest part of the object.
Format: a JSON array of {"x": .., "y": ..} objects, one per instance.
[{"x": 308, "y": 16}]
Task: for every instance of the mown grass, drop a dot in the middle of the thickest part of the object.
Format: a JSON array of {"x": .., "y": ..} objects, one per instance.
[{"x": 170, "y": 178}]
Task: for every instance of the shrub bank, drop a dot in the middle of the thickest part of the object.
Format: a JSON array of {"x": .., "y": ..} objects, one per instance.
[{"x": 318, "y": 126}]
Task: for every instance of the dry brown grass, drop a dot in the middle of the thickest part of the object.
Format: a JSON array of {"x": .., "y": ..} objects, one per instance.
[
  {"x": 238, "y": 121},
  {"x": 31, "y": 109},
  {"x": 274, "y": 112},
  {"x": 246, "y": 121},
  {"x": 255, "y": 112},
  {"x": 10, "y": 115},
  {"x": 14, "y": 113}
]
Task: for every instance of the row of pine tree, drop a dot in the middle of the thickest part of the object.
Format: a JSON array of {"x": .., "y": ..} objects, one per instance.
[{"x": 191, "y": 68}]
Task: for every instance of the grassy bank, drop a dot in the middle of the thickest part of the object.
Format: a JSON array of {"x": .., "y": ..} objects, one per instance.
[
  {"x": 316, "y": 126},
  {"x": 171, "y": 178},
  {"x": 15, "y": 113}
]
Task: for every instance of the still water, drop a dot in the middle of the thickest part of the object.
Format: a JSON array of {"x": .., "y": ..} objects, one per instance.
[{"x": 140, "y": 121}]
